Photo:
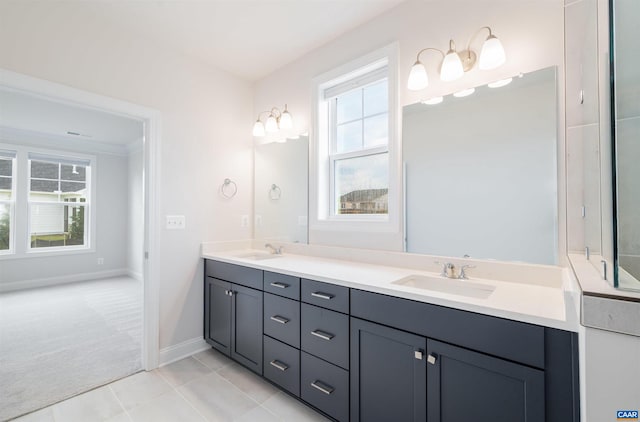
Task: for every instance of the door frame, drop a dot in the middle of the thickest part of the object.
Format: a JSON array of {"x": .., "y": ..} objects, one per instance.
[{"x": 151, "y": 120}]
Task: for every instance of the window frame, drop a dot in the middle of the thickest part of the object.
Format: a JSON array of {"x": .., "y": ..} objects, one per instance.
[
  {"x": 21, "y": 218},
  {"x": 61, "y": 158},
  {"x": 11, "y": 154},
  {"x": 336, "y": 229}
]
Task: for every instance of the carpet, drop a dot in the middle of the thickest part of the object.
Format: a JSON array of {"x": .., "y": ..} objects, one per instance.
[{"x": 56, "y": 342}]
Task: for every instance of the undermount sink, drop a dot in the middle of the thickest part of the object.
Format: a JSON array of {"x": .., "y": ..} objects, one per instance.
[
  {"x": 447, "y": 285},
  {"x": 257, "y": 256}
]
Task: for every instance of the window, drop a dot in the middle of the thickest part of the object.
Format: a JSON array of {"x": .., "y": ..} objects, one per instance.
[
  {"x": 59, "y": 192},
  {"x": 355, "y": 120},
  {"x": 7, "y": 199},
  {"x": 359, "y": 152}
]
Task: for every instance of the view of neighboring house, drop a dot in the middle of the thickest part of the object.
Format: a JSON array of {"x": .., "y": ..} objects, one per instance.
[{"x": 365, "y": 201}]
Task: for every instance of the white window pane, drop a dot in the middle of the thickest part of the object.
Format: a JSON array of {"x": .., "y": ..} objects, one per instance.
[
  {"x": 362, "y": 185},
  {"x": 57, "y": 225},
  {"x": 5, "y": 226},
  {"x": 44, "y": 186},
  {"x": 349, "y": 106},
  {"x": 376, "y": 130},
  {"x": 349, "y": 137},
  {"x": 376, "y": 98}
]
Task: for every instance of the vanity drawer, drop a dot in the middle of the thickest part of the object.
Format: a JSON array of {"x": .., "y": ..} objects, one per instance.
[
  {"x": 325, "y": 334},
  {"x": 325, "y": 386},
  {"x": 282, "y": 365},
  {"x": 245, "y": 276},
  {"x": 282, "y": 319},
  {"x": 326, "y": 295},
  {"x": 282, "y": 285}
]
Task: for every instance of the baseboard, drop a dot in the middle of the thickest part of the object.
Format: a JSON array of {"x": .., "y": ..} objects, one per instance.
[
  {"x": 55, "y": 281},
  {"x": 182, "y": 350},
  {"x": 135, "y": 275}
]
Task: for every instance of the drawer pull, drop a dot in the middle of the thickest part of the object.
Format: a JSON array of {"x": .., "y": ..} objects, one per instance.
[
  {"x": 279, "y": 319},
  {"x": 279, "y": 285},
  {"x": 322, "y": 335},
  {"x": 321, "y": 295},
  {"x": 319, "y": 385},
  {"x": 279, "y": 365}
]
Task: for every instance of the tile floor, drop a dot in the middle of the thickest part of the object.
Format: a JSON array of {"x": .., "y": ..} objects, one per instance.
[{"x": 205, "y": 387}]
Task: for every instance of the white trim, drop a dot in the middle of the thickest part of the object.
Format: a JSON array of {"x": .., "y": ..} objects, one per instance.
[
  {"x": 135, "y": 275},
  {"x": 55, "y": 281},
  {"x": 152, "y": 139},
  {"x": 182, "y": 350}
]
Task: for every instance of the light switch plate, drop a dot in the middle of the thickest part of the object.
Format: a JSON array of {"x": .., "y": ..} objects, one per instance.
[{"x": 175, "y": 222}]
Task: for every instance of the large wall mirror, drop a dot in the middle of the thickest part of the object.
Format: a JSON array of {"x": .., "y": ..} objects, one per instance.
[
  {"x": 626, "y": 142},
  {"x": 281, "y": 190},
  {"x": 481, "y": 178}
]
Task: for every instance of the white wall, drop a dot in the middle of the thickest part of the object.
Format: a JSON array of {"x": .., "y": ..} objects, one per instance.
[
  {"x": 206, "y": 123},
  {"x": 531, "y": 32}
]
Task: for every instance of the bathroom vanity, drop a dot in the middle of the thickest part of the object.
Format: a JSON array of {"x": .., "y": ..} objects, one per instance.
[{"x": 358, "y": 342}]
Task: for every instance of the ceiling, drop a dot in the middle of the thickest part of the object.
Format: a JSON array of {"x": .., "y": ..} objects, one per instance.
[
  {"x": 248, "y": 38},
  {"x": 34, "y": 117}
]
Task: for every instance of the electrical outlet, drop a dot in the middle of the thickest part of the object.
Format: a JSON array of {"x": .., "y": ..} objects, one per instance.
[
  {"x": 100, "y": 261},
  {"x": 244, "y": 221},
  {"x": 176, "y": 222},
  {"x": 258, "y": 221}
]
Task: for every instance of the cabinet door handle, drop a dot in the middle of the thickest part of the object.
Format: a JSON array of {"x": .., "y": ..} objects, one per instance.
[
  {"x": 279, "y": 319},
  {"x": 319, "y": 385},
  {"x": 432, "y": 359},
  {"x": 418, "y": 354},
  {"x": 279, "y": 285},
  {"x": 279, "y": 365},
  {"x": 322, "y": 335},
  {"x": 321, "y": 295},
  {"x": 231, "y": 292}
]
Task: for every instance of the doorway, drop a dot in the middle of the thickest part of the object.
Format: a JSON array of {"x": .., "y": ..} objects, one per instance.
[{"x": 145, "y": 153}]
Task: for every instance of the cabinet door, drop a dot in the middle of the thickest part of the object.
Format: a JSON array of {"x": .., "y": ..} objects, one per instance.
[
  {"x": 465, "y": 385},
  {"x": 388, "y": 374},
  {"x": 217, "y": 320},
  {"x": 246, "y": 327}
]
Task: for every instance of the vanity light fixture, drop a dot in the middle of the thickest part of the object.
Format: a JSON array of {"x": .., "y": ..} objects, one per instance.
[
  {"x": 276, "y": 120},
  {"x": 455, "y": 63}
]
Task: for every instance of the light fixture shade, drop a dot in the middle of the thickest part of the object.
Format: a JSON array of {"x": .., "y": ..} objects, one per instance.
[
  {"x": 258, "y": 129},
  {"x": 286, "y": 121},
  {"x": 418, "y": 78},
  {"x": 451, "y": 67},
  {"x": 492, "y": 54},
  {"x": 271, "y": 124}
]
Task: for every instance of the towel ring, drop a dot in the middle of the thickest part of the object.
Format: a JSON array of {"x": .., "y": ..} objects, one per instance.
[
  {"x": 229, "y": 188},
  {"x": 275, "y": 192}
]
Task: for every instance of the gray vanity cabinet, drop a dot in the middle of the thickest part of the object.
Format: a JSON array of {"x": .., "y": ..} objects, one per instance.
[
  {"x": 463, "y": 385},
  {"x": 233, "y": 312},
  {"x": 388, "y": 374}
]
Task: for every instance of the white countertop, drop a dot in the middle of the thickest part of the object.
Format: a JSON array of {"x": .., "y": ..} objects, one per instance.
[{"x": 542, "y": 304}]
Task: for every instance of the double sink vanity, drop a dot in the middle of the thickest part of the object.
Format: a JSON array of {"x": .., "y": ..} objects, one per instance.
[{"x": 361, "y": 341}]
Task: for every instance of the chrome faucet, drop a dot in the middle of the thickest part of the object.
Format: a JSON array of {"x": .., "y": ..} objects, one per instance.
[
  {"x": 463, "y": 275},
  {"x": 448, "y": 270},
  {"x": 273, "y": 249}
]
